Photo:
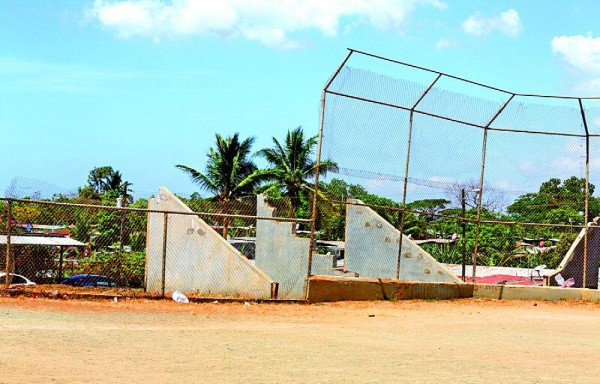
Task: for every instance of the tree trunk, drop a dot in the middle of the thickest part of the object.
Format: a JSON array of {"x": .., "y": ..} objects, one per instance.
[
  {"x": 225, "y": 225},
  {"x": 225, "y": 222},
  {"x": 294, "y": 202}
]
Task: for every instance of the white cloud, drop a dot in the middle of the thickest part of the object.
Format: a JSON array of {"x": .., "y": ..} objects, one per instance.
[
  {"x": 526, "y": 167},
  {"x": 18, "y": 75},
  {"x": 574, "y": 146},
  {"x": 581, "y": 52},
  {"x": 507, "y": 22},
  {"x": 569, "y": 165},
  {"x": 269, "y": 22},
  {"x": 444, "y": 44}
]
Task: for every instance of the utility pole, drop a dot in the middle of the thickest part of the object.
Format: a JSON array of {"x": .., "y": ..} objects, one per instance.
[{"x": 464, "y": 233}]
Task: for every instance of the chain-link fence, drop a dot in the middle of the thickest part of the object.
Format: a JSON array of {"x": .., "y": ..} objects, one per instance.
[
  {"x": 495, "y": 185},
  {"x": 168, "y": 243},
  {"x": 430, "y": 178},
  {"x": 54, "y": 242}
]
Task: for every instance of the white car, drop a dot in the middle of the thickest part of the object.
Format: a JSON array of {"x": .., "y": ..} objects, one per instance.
[{"x": 16, "y": 279}]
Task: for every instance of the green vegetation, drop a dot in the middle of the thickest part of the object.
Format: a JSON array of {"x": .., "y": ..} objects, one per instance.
[
  {"x": 117, "y": 239},
  {"x": 292, "y": 167},
  {"x": 230, "y": 173}
]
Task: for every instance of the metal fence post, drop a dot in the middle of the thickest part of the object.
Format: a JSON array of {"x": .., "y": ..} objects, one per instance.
[
  {"x": 164, "y": 252},
  {"x": 313, "y": 225},
  {"x": 587, "y": 194},
  {"x": 481, "y": 180},
  {"x": 403, "y": 212},
  {"x": 464, "y": 234},
  {"x": 8, "y": 230},
  {"x": 406, "y": 172}
]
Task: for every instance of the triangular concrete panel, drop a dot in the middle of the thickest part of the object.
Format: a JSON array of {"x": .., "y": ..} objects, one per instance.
[{"x": 198, "y": 259}]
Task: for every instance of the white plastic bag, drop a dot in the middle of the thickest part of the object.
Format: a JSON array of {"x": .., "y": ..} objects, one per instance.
[
  {"x": 180, "y": 297},
  {"x": 564, "y": 283}
]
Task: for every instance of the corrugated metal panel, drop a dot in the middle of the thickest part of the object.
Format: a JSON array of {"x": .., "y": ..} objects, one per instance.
[{"x": 42, "y": 240}]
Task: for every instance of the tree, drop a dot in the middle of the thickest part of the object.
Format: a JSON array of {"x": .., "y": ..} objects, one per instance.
[
  {"x": 492, "y": 199},
  {"x": 430, "y": 207},
  {"x": 292, "y": 166},
  {"x": 556, "y": 202},
  {"x": 230, "y": 172},
  {"x": 105, "y": 180},
  {"x": 337, "y": 189}
]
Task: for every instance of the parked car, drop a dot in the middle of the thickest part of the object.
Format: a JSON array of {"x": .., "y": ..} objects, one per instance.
[
  {"x": 16, "y": 279},
  {"x": 88, "y": 280},
  {"x": 245, "y": 246}
]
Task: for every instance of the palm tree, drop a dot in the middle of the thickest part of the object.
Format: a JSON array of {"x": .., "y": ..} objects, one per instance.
[
  {"x": 292, "y": 166},
  {"x": 230, "y": 173}
]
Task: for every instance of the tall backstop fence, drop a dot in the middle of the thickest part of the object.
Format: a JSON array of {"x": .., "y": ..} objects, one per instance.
[
  {"x": 466, "y": 170},
  {"x": 421, "y": 176}
]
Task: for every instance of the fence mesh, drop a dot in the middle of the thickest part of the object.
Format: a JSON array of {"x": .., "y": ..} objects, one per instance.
[
  {"x": 416, "y": 146},
  {"x": 168, "y": 243},
  {"x": 436, "y": 179}
]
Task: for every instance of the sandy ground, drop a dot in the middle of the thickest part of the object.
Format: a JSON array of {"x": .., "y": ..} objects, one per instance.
[{"x": 135, "y": 341}]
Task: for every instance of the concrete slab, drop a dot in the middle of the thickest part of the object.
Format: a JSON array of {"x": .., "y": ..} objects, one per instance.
[
  {"x": 283, "y": 255},
  {"x": 331, "y": 288},
  {"x": 512, "y": 292},
  {"x": 372, "y": 246},
  {"x": 198, "y": 259}
]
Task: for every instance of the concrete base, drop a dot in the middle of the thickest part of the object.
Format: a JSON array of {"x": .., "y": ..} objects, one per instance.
[
  {"x": 514, "y": 292},
  {"x": 329, "y": 288}
]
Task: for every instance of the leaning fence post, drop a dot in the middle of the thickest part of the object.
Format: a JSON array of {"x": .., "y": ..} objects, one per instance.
[
  {"x": 313, "y": 224},
  {"x": 164, "y": 252},
  {"x": 406, "y": 169},
  {"x": 481, "y": 180},
  {"x": 8, "y": 230},
  {"x": 587, "y": 194}
]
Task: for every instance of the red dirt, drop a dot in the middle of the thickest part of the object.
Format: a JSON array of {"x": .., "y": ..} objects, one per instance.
[
  {"x": 503, "y": 279},
  {"x": 137, "y": 340}
]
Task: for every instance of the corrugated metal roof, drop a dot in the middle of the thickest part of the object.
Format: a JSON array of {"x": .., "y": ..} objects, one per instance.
[{"x": 42, "y": 240}]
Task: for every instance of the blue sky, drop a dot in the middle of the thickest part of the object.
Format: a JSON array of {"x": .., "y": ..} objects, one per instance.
[{"x": 144, "y": 85}]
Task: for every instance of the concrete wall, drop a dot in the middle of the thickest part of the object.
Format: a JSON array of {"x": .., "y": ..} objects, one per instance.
[
  {"x": 329, "y": 288},
  {"x": 572, "y": 264},
  {"x": 283, "y": 255},
  {"x": 519, "y": 292},
  {"x": 372, "y": 250},
  {"x": 199, "y": 260}
]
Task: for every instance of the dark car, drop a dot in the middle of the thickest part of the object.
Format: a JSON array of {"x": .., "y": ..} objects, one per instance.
[{"x": 87, "y": 280}]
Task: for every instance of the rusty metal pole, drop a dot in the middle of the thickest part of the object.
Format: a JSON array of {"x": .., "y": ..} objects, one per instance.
[
  {"x": 313, "y": 223},
  {"x": 406, "y": 172},
  {"x": 8, "y": 230},
  {"x": 403, "y": 212},
  {"x": 164, "y": 252},
  {"x": 479, "y": 199},
  {"x": 587, "y": 194},
  {"x": 464, "y": 235},
  {"x": 60, "y": 264},
  {"x": 481, "y": 179}
]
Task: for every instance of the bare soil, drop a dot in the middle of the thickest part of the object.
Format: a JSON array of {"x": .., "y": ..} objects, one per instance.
[{"x": 137, "y": 340}]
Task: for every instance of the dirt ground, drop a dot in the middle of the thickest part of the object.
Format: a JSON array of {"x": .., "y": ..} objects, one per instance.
[{"x": 137, "y": 340}]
